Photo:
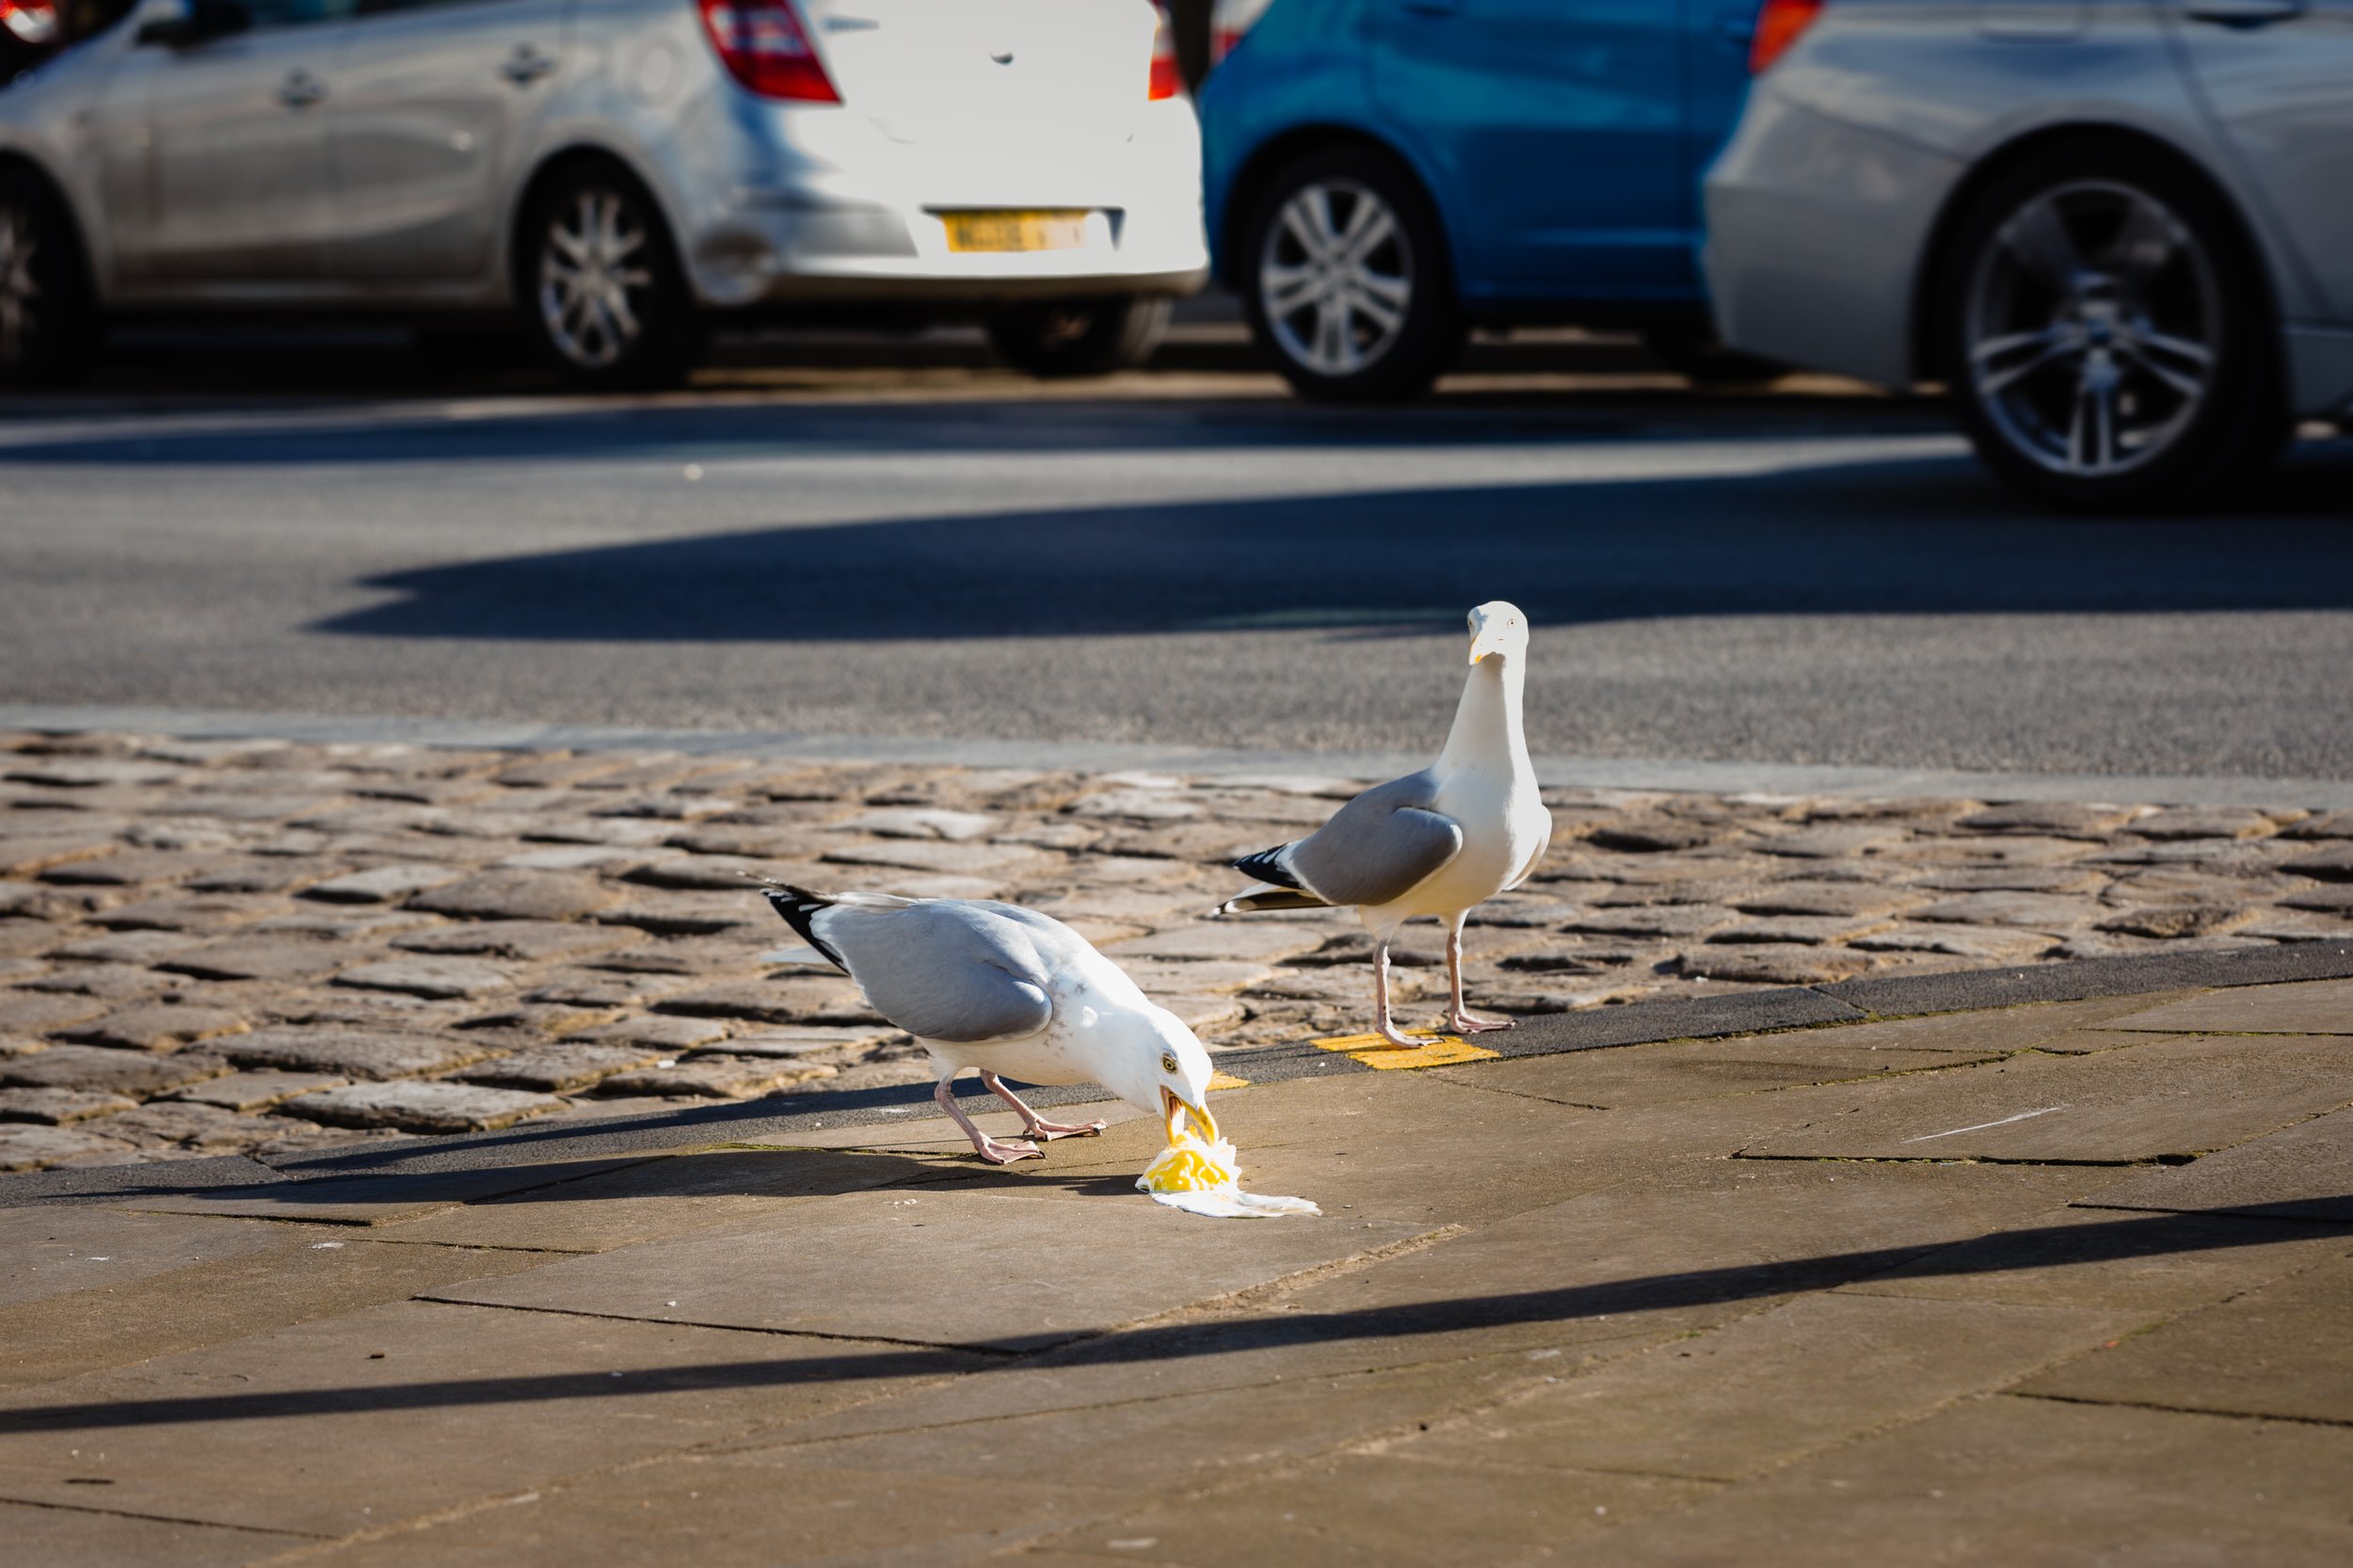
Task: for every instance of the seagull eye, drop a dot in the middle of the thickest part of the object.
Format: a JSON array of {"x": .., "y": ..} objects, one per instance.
[{"x": 1168, "y": 1063}]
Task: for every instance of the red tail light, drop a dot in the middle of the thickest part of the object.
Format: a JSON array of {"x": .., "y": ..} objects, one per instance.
[
  {"x": 1778, "y": 25},
  {"x": 763, "y": 45},
  {"x": 1167, "y": 80},
  {"x": 30, "y": 20}
]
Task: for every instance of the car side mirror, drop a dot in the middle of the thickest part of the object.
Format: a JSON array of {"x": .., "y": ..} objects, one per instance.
[{"x": 176, "y": 24}]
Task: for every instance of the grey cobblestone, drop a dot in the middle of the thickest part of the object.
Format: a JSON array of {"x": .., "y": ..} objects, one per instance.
[
  {"x": 554, "y": 928},
  {"x": 429, "y": 1107}
]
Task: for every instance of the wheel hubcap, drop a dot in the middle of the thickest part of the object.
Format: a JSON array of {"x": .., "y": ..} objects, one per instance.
[
  {"x": 593, "y": 281},
  {"x": 2094, "y": 327},
  {"x": 1336, "y": 278},
  {"x": 18, "y": 288}
]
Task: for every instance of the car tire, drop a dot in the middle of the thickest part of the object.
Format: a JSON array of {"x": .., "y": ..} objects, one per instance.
[
  {"x": 1080, "y": 337},
  {"x": 600, "y": 293},
  {"x": 1700, "y": 359},
  {"x": 1344, "y": 277},
  {"x": 49, "y": 327},
  {"x": 2104, "y": 334}
]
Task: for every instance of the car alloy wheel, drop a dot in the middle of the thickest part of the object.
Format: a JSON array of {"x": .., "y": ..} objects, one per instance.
[
  {"x": 20, "y": 290},
  {"x": 1336, "y": 278},
  {"x": 2093, "y": 326},
  {"x": 594, "y": 278}
]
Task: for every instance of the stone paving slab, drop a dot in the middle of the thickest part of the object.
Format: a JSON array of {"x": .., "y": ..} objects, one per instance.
[
  {"x": 56, "y": 1251},
  {"x": 405, "y": 1408},
  {"x": 2099, "y": 1257},
  {"x": 2316, "y": 1007},
  {"x": 303, "y": 1272},
  {"x": 85, "y": 1538},
  {"x": 2284, "y": 1349},
  {"x": 1371, "y": 1508},
  {"x": 881, "y": 1266},
  {"x": 173, "y": 896},
  {"x": 2029, "y": 1482},
  {"x": 1771, "y": 1387},
  {"x": 652, "y": 1199},
  {"x": 2304, "y": 1172},
  {"x": 1684, "y": 1251},
  {"x": 362, "y": 1200},
  {"x": 2175, "y": 1098}
]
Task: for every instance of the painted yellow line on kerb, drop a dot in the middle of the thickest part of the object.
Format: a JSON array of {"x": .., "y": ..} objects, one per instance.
[
  {"x": 1443, "y": 1050},
  {"x": 1226, "y": 1080}
]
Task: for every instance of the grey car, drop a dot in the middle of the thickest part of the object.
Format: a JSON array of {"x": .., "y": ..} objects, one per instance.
[
  {"x": 609, "y": 176},
  {"x": 2120, "y": 232}
]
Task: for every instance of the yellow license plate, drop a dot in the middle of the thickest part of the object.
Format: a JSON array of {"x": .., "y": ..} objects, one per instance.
[{"x": 1042, "y": 230}]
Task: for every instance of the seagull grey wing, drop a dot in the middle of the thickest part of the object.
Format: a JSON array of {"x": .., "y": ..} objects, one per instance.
[
  {"x": 944, "y": 969},
  {"x": 1378, "y": 846}
]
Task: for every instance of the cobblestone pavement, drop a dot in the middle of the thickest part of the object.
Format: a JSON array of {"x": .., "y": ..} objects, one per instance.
[{"x": 223, "y": 947}]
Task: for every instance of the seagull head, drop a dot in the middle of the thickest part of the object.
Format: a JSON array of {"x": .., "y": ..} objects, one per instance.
[
  {"x": 1497, "y": 631},
  {"x": 1168, "y": 1071}
]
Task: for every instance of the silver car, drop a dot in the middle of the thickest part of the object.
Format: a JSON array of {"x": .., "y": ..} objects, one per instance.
[
  {"x": 610, "y": 176},
  {"x": 2120, "y": 232}
]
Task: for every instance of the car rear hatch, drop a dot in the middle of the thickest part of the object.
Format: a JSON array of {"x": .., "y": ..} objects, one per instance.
[{"x": 983, "y": 72}]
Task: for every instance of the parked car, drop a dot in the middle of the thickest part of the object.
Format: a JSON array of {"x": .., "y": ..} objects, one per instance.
[
  {"x": 611, "y": 177},
  {"x": 1383, "y": 174},
  {"x": 2118, "y": 232}
]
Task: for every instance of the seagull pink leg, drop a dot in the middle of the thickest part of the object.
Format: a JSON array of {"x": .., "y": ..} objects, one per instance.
[
  {"x": 982, "y": 1145},
  {"x": 1381, "y": 1024},
  {"x": 1462, "y": 1019},
  {"x": 1034, "y": 1124}
]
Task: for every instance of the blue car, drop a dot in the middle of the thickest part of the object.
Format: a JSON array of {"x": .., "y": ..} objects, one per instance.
[{"x": 1382, "y": 175}]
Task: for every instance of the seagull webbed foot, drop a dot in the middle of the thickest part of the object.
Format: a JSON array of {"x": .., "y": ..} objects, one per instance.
[
  {"x": 999, "y": 1153},
  {"x": 1475, "y": 1023}
]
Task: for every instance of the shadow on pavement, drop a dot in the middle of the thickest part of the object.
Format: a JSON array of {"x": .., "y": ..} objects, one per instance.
[
  {"x": 2142, "y": 1236},
  {"x": 1849, "y": 536}
]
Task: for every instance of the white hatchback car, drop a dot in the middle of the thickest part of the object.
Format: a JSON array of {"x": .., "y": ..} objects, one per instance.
[
  {"x": 2120, "y": 232},
  {"x": 612, "y": 176}
]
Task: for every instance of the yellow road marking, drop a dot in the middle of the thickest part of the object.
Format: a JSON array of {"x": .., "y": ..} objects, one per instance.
[
  {"x": 1443, "y": 1050},
  {"x": 1226, "y": 1080}
]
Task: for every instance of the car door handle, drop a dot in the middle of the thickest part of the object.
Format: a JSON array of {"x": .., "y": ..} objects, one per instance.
[
  {"x": 2243, "y": 13},
  {"x": 300, "y": 90},
  {"x": 526, "y": 65}
]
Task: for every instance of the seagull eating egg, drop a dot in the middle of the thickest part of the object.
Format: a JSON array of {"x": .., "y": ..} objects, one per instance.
[{"x": 1009, "y": 991}]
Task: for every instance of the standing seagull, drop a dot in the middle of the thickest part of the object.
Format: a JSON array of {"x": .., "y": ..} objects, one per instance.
[
  {"x": 1435, "y": 842},
  {"x": 1007, "y": 990}
]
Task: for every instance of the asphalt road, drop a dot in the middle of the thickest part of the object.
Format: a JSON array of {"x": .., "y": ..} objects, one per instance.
[{"x": 1188, "y": 559}]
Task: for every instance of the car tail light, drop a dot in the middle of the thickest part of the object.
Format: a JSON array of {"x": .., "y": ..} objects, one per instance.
[
  {"x": 1778, "y": 25},
  {"x": 1167, "y": 80},
  {"x": 1230, "y": 22},
  {"x": 763, "y": 45},
  {"x": 29, "y": 21}
]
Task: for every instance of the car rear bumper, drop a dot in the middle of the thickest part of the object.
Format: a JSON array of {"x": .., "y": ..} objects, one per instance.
[
  {"x": 833, "y": 207},
  {"x": 1816, "y": 232}
]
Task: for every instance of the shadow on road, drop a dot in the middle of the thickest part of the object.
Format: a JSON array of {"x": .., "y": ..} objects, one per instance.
[{"x": 1860, "y": 538}]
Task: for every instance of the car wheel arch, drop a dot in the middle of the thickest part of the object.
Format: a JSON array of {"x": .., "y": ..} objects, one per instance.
[
  {"x": 1272, "y": 156},
  {"x": 15, "y": 162},
  {"x": 554, "y": 165},
  {"x": 1929, "y": 279}
]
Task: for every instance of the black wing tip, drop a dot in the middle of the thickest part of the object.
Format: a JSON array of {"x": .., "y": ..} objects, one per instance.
[
  {"x": 800, "y": 907},
  {"x": 1267, "y": 867}
]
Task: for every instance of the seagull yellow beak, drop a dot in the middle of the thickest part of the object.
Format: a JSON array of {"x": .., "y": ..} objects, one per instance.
[{"x": 1173, "y": 1112}]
